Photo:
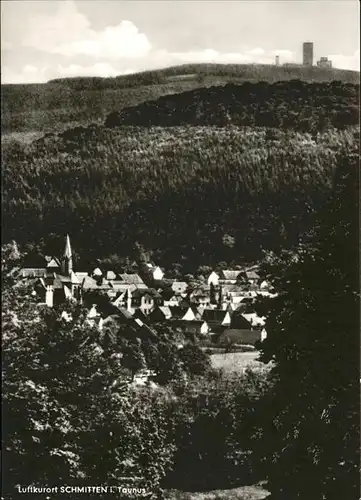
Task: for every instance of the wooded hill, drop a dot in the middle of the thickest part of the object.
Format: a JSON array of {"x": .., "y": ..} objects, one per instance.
[
  {"x": 73, "y": 101},
  {"x": 193, "y": 195},
  {"x": 294, "y": 104}
]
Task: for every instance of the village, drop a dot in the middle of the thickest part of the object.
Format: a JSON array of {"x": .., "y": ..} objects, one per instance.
[{"x": 218, "y": 309}]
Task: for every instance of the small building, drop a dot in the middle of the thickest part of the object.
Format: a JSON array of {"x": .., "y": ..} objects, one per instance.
[
  {"x": 229, "y": 277},
  {"x": 185, "y": 313},
  {"x": 197, "y": 326},
  {"x": 144, "y": 299},
  {"x": 160, "y": 314},
  {"x": 179, "y": 287},
  {"x": 97, "y": 273},
  {"x": 171, "y": 299},
  {"x": 324, "y": 62},
  {"x": 151, "y": 272},
  {"x": 111, "y": 276},
  {"x": 239, "y": 321},
  {"x": 216, "y": 318},
  {"x": 53, "y": 264},
  {"x": 213, "y": 279},
  {"x": 250, "y": 276}
]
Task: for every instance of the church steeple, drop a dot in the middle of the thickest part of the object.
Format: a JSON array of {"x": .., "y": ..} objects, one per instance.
[{"x": 67, "y": 261}]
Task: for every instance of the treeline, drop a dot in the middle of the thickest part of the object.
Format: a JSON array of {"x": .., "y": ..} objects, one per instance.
[
  {"x": 191, "y": 195},
  {"x": 294, "y": 104}
]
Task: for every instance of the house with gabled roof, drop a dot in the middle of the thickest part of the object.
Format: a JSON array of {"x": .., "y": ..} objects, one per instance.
[
  {"x": 179, "y": 287},
  {"x": 229, "y": 276},
  {"x": 144, "y": 299},
  {"x": 186, "y": 313},
  {"x": 213, "y": 279},
  {"x": 160, "y": 314},
  {"x": 201, "y": 296},
  {"x": 53, "y": 264},
  {"x": 171, "y": 299},
  {"x": 151, "y": 272},
  {"x": 196, "y": 326},
  {"x": 216, "y": 318},
  {"x": 238, "y": 321},
  {"x": 111, "y": 276},
  {"x": 251, "y": 276}
]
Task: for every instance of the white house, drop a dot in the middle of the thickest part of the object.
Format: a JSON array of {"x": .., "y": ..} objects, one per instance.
[
  {"x": 213, "y": 279},
  {"x": 157, "y": 273},
  {"x": 189, "y": 315}
]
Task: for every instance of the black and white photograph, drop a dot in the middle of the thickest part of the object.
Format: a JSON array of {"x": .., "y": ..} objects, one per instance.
[{"x": 180, "y": 249}]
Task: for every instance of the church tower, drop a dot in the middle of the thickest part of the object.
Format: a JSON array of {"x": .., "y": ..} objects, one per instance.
[{"x": 67, "y": 261}]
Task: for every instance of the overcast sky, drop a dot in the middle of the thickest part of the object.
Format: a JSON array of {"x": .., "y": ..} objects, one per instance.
[{"x": 47, "y": 39}]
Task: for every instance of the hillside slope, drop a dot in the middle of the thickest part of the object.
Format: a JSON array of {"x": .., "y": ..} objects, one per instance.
[
  {"x": 194, "y": 195},
  {"x": 69, "y": 101}
]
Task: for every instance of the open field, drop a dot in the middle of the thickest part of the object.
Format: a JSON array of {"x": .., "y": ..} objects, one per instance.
[
  {"x": 237, "y": 361},
  {"x": 242, "y": 493}
]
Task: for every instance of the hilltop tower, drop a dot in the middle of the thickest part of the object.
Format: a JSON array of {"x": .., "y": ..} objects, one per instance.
[
  {"x": 308, "y": 53},
  {"x": 67, "y": 260}
]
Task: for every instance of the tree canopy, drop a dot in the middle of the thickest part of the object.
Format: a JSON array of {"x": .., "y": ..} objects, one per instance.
[{"x": 311, "y": 434}]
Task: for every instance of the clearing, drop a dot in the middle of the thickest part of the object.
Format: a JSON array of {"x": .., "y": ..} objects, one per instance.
[{"x": 238, "y": 361}]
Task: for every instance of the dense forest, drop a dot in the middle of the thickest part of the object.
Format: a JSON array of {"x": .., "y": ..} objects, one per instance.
[
  {"x": 191, "y": 195},
  {"x": 70, "y": 101},
  {"x": 294, "y": 104}
]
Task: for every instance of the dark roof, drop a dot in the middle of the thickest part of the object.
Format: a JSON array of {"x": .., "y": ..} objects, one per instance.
[
  {"x": 178, "y": 312},
  {"x": 239, "y": 321},
  {"x": 140, "y": 292},
  {"x": 230, "y": 274},
  {"x": 217, "y": 329},
  {"x": 213, "y": 315},
  {"x": 123, "y": 312},
  {"x": 169, "y": 293},
  {"x": 161, "y": 312},
  {"x": 185, "y": 322},
  {"x": 140, "y": 315}
]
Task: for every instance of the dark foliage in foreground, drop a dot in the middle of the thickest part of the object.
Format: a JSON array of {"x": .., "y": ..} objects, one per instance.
[
  {"x": 310, "y": 439},
  {"x": 192, "y": 195}
]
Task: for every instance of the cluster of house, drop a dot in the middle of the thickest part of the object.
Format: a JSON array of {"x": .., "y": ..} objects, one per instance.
[{"x": 220, "y": 307}]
